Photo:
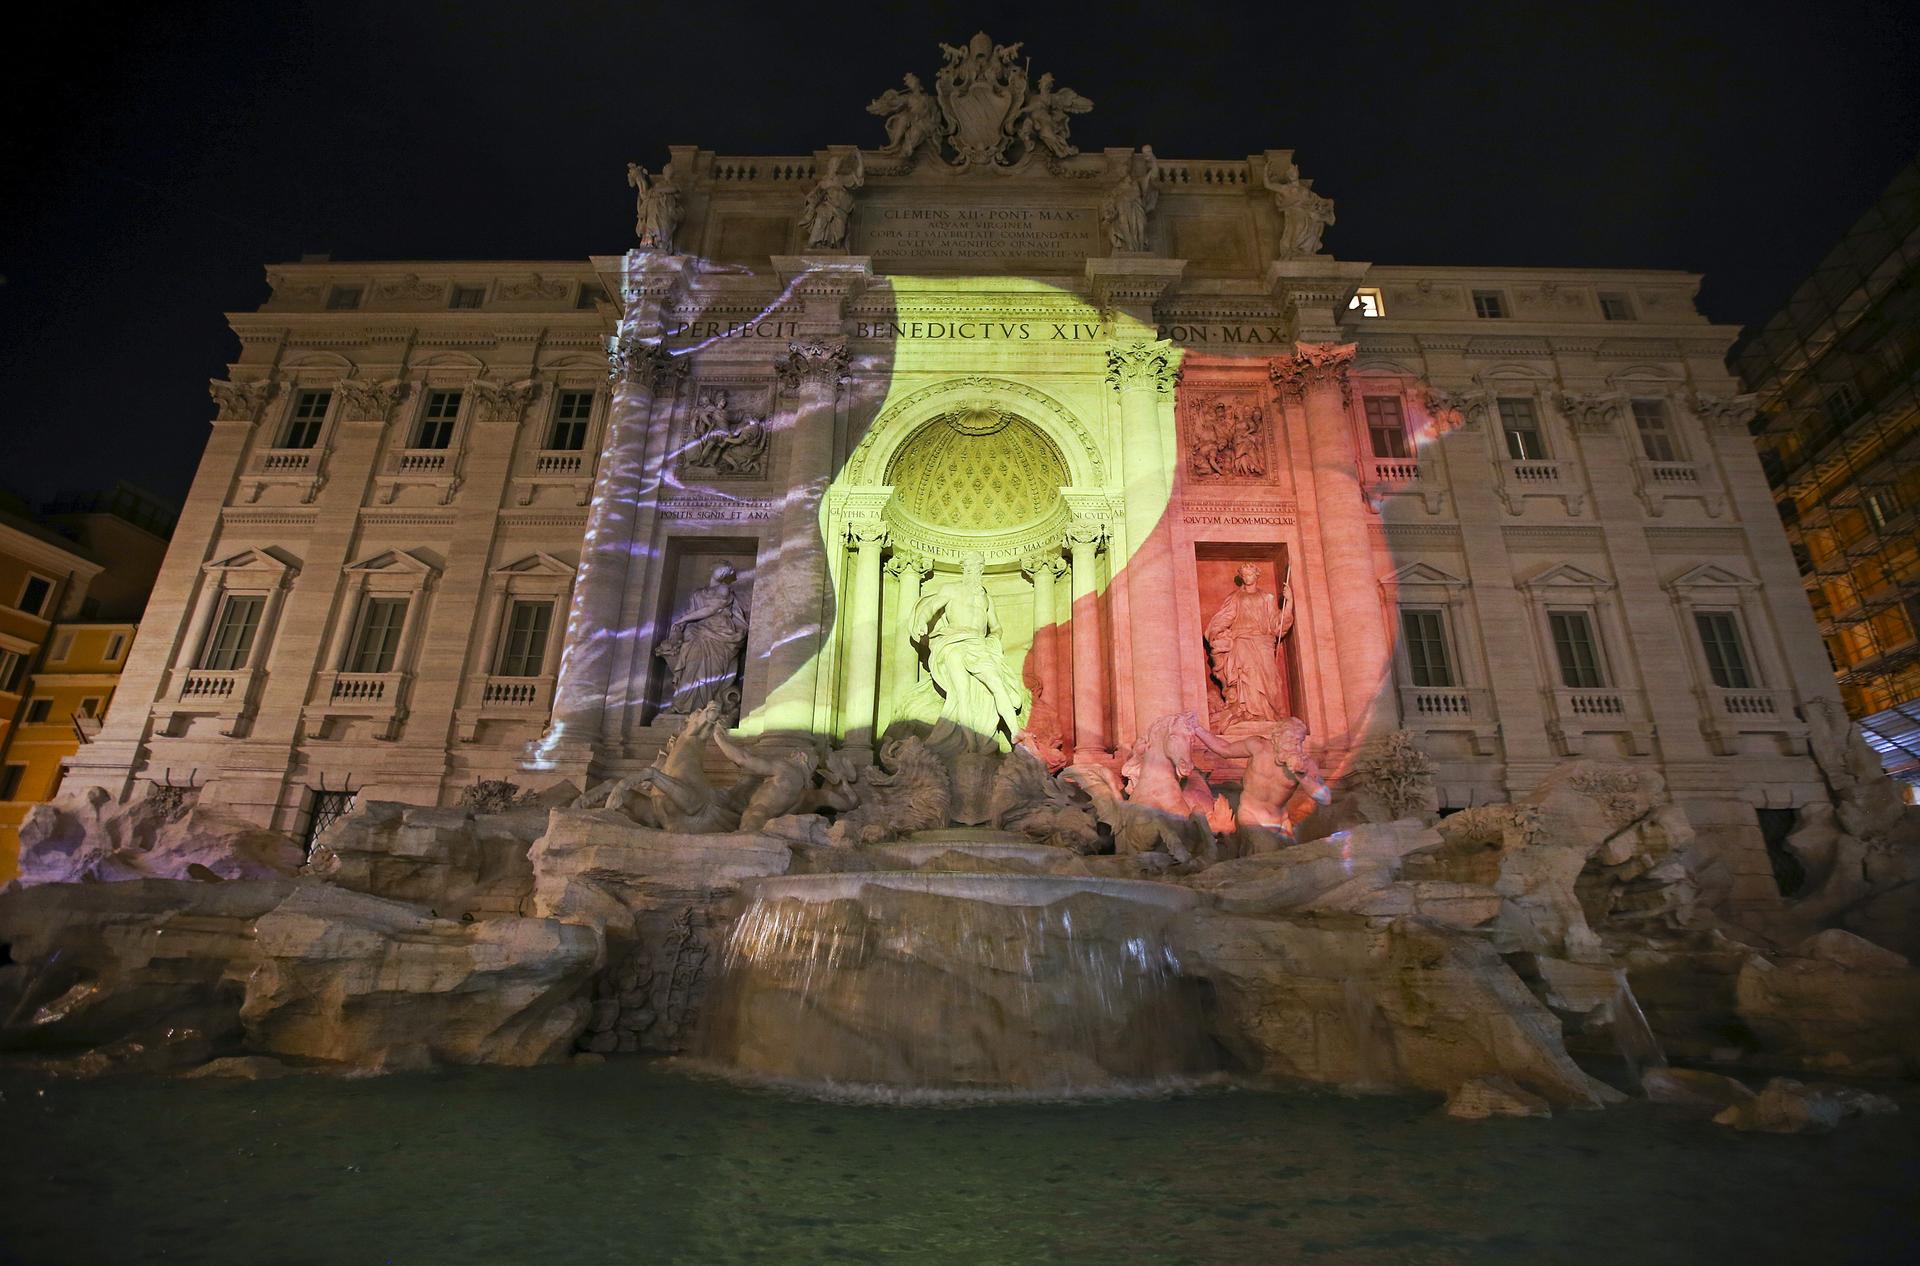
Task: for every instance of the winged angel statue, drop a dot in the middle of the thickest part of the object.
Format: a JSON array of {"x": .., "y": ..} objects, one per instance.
[{"x": 982, "y": 106}]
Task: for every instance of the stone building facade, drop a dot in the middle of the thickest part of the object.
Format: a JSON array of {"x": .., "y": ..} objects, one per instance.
[{"x": 450, "y": 512}]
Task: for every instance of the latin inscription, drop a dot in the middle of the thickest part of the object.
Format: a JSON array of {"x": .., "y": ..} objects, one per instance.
[{"x": 1068, "y": 234}]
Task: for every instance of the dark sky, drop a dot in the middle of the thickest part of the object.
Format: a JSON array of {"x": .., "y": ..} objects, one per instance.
[{"x": 161, "y": 158}]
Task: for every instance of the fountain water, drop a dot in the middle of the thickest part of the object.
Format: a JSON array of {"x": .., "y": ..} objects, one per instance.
[{"x": 945, "y": 982}]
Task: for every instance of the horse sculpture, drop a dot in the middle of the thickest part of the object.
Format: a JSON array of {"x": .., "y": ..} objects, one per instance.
[{"x": 676, "y": 786}]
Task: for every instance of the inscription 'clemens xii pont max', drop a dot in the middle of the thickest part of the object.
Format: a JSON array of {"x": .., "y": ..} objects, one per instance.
[{"x": 961, "y": 233}]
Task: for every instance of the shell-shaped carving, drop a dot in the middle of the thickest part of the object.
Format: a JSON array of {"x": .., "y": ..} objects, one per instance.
[{"x": 978, "y": 468}]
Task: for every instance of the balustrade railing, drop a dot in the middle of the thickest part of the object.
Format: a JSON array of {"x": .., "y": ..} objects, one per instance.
[
  {"x": 420, "y": 461},
  {"x": 210, "y": 685},
  {"x": 560, "y": 463},
  {"x": 361, "y": 687},
  {"x": 1534, "y": 472}
]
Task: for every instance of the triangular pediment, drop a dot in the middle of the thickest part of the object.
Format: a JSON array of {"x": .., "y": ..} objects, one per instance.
[
  {"x": 394, "y": 562},
  {"x": 258, "y": 561},
  {"x": 1425, "y": 574},
  {"x": 1566, "y": 576},
  {"x": 1711, "y": 576},
  {"x": 536, "y": 564}
]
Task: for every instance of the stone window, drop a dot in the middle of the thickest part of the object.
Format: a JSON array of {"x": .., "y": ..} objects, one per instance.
[
  {"x": 1726, "y": 653},
  {"x": 1578, "y": 651},
  {"x": 39, "y": 710},
  {"x": 571, "y": 412},
  {"x": 437, "y": 419},
  {"x": 343, "y": 298},
  {"x": 376, "y": 638},
  {"x": 1655, "y": 424},
  {"x": 1615, "y": 306},
  {"x": 524, "y": 652},
  {"x": 467, "y": 297},
  {"x": 303, "y": 423},
  {"x": 1842, "y": 403},
  {"x": 34, "y": 595},
  {"x": 1520, "y": 423},
  {"x": 1386, "y": 426},
  {"x": 1368, "y": 302},
  {"x": 230, "y": 643},
  {"x": 327, "y": 807},
  {"x": 589, "y": 295},
  {"x": 1489, "y": 304},
  {"x": 1424, "y": 637},
  {"x": 10, "y": 777}
]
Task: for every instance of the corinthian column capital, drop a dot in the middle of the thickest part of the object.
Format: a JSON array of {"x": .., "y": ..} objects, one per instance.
[
  {"x": 635, "y": 362},
  {"x": 240, "y": 401},
  {"x": 813, "y": 364},
  {"x": 1143, "y": 366},
  {"x": 1313, "y": 365}
]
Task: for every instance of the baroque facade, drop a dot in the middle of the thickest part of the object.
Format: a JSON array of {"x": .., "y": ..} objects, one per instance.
[{"x": 457, "y": 521}]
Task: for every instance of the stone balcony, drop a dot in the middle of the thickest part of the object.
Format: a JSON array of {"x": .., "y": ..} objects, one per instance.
[
  {"x": 303, "y": 469},
  {"x": 379, "y": 697},
  {"x": 1660, "y": 482},
  {"x": 436, "y": 468},
  {"x": 1726, "y": 715},
  {"x": 1451, "y": 709},
  {"x": 570, "y": 470},
  {"x": 495, "y": 698},
  {"x": 1539, "y": 477},
  {"x": 1577, "y": 714},
  {"x": 227, "y": 693},
  {"x": 1394, "y": 476}
]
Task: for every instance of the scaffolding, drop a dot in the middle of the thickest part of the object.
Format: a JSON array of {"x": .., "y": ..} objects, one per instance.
[{"x": 1836, "y": 375}]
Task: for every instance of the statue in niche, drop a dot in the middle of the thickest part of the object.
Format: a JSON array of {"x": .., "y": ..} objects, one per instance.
[
  {"x": 1304, "y": 214},
  {"x": 1226, "y": 442},
  {"x": 722, "y": 446},
  {"x": 1128, "y": 203},
  {"x": 985, "y": 702},
  {"x": 913, "y": 119},
  {"x": 656, "y": 207},
  {"x": 1046, "y": 118},
  {"x": 830, "y": 204},
  {"x": 1278, "y": 770},
  {"x": 702, "y": 649},
  {"x": 1243, "y": 640}
]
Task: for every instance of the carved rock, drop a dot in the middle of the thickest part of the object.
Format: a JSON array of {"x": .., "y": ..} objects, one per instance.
[
  {"x": 163, "y": 835},
  {"x": 454, "y": 862},
  {"x": 1485, "y": 1097},
  {"x": 1786, "y": 1106}
]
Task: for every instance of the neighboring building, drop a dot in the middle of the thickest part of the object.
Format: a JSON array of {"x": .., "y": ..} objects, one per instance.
[
  {"x": 1836, "y": 375},
  {"x": 43, "y": 578},
  {"x": 1520, "y": 509},
  {"x": 113, "y": 544}
]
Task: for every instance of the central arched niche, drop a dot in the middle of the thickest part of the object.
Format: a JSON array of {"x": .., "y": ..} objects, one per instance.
[{"x": 977, "y": 479}]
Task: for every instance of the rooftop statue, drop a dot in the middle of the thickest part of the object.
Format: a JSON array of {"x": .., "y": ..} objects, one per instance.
[
  {"x": 982, "y": 108},
  {"x": 656, "y": 207},
  {"x": 1304, "y": 214},
  {"x": 830, "y": 204}
]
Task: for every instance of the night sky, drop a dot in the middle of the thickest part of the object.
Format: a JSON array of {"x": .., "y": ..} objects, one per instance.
[{"x": 159, "y": 160}]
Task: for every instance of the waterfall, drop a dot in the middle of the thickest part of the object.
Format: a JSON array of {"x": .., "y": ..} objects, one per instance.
[{"x": 958, "y": 982}]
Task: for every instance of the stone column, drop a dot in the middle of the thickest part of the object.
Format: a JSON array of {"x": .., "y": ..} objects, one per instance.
[
  {"x": 637, "y": 368},
  {"x": 1316, "y": 375},
  {"x": 1144, "y": 374},
  {"x": 867, "y": 539},
  {"x": 907, "y": 570},
  {"x": 793, "y": 592},
  {"x": 1045, "y": 568},
  {"x": 1090, "y": 738}
]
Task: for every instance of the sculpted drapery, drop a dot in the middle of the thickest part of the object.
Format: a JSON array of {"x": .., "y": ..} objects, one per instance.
[
  {"x": 984, "y": 699},
  {"x": 702, "y": 649},
  {"x": 1243, "y": 641}
]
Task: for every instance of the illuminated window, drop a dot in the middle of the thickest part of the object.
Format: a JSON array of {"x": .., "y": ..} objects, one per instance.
[
  {"x": 341, "y": 298},
  {"x": 39, "y": 710},
  {"x": 1656, "y": 431},
  {"x": 231, "y": 641},
  {"x": 1368, "y": 303},
  {"x": 467, "y": 297},
  {"x": 1574, "y": 646},
  {"x": 524, "y": 652},
  {"x": 1521, "y": 426},
  {"x": 1726, "y": 656},
  {"x": 1882, "y": 507},
  {"x": 570, "y": 417},
  {"x": 1423, "y": 635},
  {"x": 437, "y": 419},
  {"x": 377, "y": 640},
  {"x": 1489, "y": 304},
  {"x": 1386, "y": 426},
  {"x": 34, "y": 595},
  {"x": 589, "y": 296},
  {"x": 303, "y": 424},
  {"x": 1615, "y": 306}
]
